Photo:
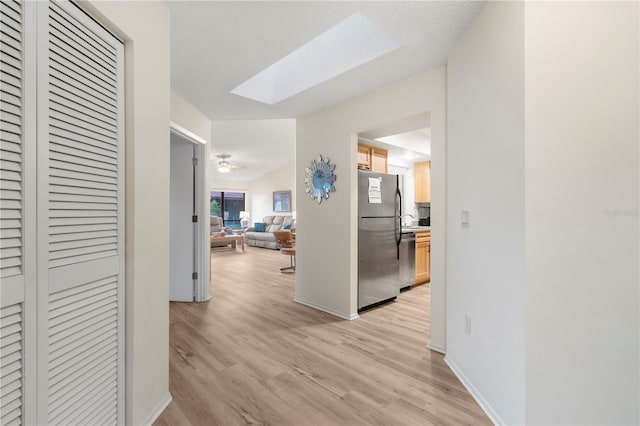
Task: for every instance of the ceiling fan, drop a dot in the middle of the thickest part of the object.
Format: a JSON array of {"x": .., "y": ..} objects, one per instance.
[{"x": 223, "y": 165}]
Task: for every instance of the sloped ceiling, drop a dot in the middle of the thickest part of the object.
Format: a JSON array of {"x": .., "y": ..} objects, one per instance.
[{"x": 218, "y": 45}]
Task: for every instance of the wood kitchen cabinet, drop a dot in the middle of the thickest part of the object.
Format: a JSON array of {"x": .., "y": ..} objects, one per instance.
[
  {"x": 378, "y": 160},
  {"x": 364, "y": 157},
  {"x": 371, "y": 158},
  {"x": 422, "y": 182},
  {"x": 423, "y": 257}
]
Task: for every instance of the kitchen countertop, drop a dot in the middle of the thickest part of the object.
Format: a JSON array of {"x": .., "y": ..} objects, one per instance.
[{"x": 414, "y": 229}]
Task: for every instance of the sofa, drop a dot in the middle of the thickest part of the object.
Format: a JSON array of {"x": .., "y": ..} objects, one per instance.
[
  {"x": 216, "y": 224},
  {"x": 266, "y": 239}
]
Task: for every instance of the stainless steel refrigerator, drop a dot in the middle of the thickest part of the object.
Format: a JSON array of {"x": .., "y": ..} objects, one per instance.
[{"x": 379, "y": 236}]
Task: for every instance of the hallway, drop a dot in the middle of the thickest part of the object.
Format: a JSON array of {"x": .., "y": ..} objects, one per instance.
[{"x": 251, "y": 355}]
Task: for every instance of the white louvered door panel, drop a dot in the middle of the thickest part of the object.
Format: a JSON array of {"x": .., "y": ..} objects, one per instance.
[
  {"x": 17, "y": 214},
  {"x": 11, "y": 350},
  {"x": 11, "y": 148},
  {"x": 81, "y": 224}
]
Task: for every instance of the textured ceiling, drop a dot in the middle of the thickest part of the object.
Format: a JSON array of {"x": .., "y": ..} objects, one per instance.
[
  {"x": 256, "y": 146},
  {"x": 218, "y": 45}
]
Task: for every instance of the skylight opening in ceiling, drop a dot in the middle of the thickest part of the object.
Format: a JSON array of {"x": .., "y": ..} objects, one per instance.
[{"x": 347, "y": 45}]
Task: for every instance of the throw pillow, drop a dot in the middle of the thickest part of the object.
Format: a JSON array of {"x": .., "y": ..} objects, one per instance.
[
  {"x": 260, "y": 227},
  {"x": 286, "y": 227}
]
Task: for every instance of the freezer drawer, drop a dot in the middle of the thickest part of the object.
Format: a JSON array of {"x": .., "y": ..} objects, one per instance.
[{"x": 378, "y": 264}]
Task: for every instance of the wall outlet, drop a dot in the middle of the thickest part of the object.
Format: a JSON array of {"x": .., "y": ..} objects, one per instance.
[{"x": 467, "y": 324}]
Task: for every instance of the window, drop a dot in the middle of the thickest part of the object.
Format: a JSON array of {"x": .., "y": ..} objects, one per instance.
[{"x": 227, "y": 205}]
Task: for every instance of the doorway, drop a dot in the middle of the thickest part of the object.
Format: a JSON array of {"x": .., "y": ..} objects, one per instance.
[
  {"x": 189, "y": 245},
  {"x": 398, "y": 151}
]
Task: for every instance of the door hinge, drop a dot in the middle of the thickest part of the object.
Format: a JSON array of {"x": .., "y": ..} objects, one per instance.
[
  {"x": 194, "y": 219},
  {"x": 194, "y": 161},
  {"x": 194, "y": 276}
]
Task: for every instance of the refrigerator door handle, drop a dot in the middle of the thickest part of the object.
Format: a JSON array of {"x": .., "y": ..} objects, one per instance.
[{"x": 398, "y": 221}]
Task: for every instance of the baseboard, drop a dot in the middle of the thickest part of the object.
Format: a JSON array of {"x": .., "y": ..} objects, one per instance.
[
  {"x": 486, "y": 407},
  {"x": 155, "y": 413},
  {"x": 436, "y": 348},
  {"x": 327, "y": 310},
  {"x": 205, "y": 299}
]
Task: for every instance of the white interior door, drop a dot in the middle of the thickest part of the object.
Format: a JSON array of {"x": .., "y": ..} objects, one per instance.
[
  {"x": 80, "y": 229},
  {"x": 182, "y": 238},
  {"x": 61, "y": 217},
  {"x": 17, "y": 213}
]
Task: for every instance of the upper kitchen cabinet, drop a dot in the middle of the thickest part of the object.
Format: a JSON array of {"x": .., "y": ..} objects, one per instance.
[
  {"x": 422, "y": 181},
  {"x": 371, "y": 158},
  {"x": 378, "y": 160},
  {"x": 364, "y": 157}
]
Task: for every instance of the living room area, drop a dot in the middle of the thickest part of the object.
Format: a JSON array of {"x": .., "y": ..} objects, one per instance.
[{"x": 251, "y": 190}]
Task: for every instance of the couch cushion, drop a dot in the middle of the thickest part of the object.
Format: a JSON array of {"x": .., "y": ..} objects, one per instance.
[
  {"x": 268, "y": 220},
  {"x": 265, "y": 236},
  {"x": 216, "y": 224},
  {"x": 278, "y": 220},
  {"x": 259, "y": 236},
  {"x": 288, "y": 220},
  {"x": 260, "y": 227},
  {"x": 273, "y": 228}
]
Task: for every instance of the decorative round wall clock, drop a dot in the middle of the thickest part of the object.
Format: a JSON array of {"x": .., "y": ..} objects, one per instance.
[{"x": 320, "y": 179}]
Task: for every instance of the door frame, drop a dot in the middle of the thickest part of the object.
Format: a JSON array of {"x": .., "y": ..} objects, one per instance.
[{"x": 202, "y": 249}]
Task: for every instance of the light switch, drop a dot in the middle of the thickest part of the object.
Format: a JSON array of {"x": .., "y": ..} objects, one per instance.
[{"x": 465, "y": 217}]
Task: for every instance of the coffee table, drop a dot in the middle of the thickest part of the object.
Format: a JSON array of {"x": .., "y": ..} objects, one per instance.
[{"x": 233, "y": 239}]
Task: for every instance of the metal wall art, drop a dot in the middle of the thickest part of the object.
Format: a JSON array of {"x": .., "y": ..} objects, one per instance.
[{"x": 320, "y": 179}]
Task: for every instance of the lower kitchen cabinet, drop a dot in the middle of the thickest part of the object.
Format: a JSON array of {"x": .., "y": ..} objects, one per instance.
[{"x": 423, "y": 257}]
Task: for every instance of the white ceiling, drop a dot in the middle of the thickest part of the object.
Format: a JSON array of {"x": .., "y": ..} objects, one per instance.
[
  {"x": 403, "y": 149},
  {"x": 255, "y": 146},
  {"x": 218, "y": 45},
  {"x": 406, "y": 140}
]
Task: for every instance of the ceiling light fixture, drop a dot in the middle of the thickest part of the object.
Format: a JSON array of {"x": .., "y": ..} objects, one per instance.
[
  {"x": 350, "y": 43},
  {"x": 223, "y": 165}
]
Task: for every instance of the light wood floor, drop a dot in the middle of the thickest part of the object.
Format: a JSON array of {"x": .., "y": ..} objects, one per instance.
[{"x": 251, "y": 355}]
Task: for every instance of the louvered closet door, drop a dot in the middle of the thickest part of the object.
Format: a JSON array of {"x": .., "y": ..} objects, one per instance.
[
  {"x": 80, "y": 220},
  {"x": 17, "y": 216}
]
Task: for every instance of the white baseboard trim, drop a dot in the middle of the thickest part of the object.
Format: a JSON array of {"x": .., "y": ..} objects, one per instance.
[
  {"x": 327, "y": 310},
  {"x": 486, "y": 407},
  {"x": 155, "y": 413},
  {"x": 436, "y": 348},
  {"x": 206, "y": 299}
]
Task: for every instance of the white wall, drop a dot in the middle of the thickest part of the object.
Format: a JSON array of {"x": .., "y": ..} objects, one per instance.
[
  {"x": 486, "y": 260},
  {"x": 144, "y": 26},
  {"x": 216, "y": 184},
  {"x": 187, "y": 116},
  {"x": 260, "y": 194},
  {"x": 331, "y": 227},
  {"x": 582, "y": 232}
]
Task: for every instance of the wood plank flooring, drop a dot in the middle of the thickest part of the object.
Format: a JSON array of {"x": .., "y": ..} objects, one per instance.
[{"x": 251, "y": 355}]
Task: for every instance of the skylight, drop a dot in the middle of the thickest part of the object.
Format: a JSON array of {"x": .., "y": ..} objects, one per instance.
[{"x": 347, "y": 45}]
